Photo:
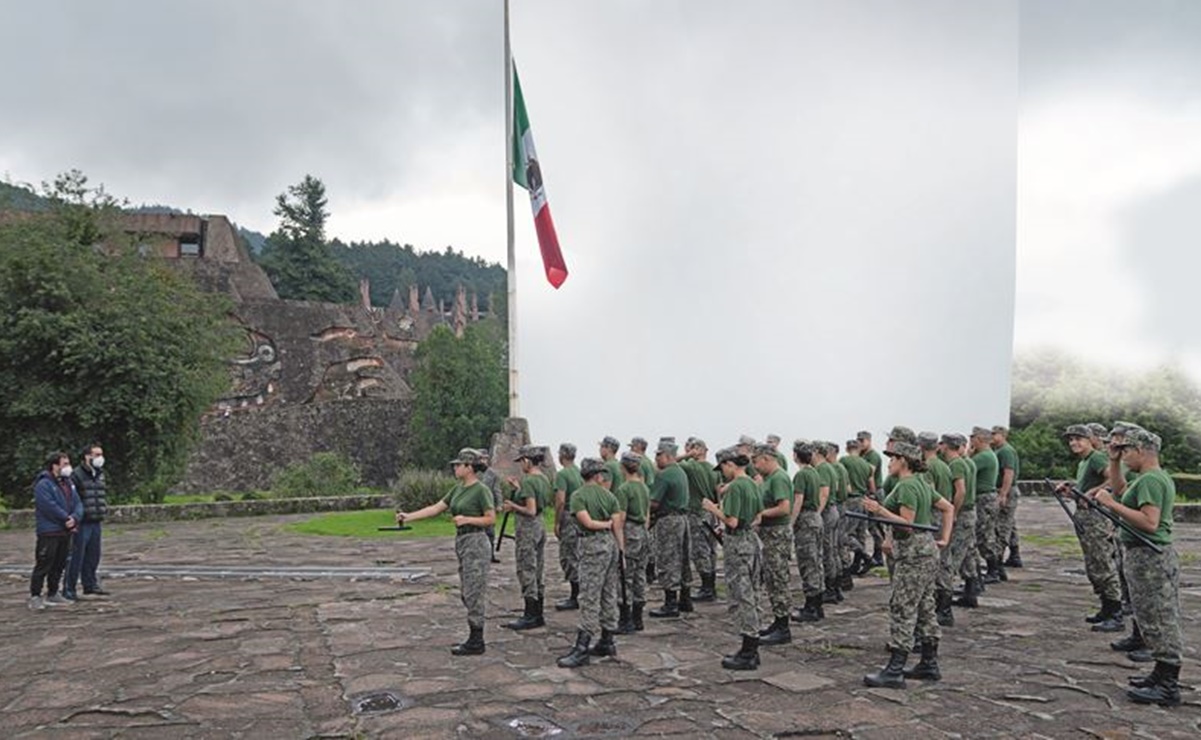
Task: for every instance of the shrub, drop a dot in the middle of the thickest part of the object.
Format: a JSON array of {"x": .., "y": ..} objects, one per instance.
[
  {"x": 417, "y": 488},
  {"x": 251, "y": 496},
  {"x": 222, "y": 496},
  {"x": 1188, "y": 486},
  {"x": 324, "y": 474}
]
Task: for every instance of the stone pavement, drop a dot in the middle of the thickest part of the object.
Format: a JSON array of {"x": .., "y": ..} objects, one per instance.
[{"x": 289, "y": 655}]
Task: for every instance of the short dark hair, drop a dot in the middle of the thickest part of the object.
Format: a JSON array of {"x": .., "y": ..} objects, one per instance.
[
  {"x": 805, "y": 456},
  {"x": 54, "y": 458},
  {"x": 631, "y": 466}
]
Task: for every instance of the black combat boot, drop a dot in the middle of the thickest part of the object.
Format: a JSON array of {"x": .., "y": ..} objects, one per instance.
[
  {"x": 1149, "y": 680},
  {"x": 625, "y": 625},
  {"x": 926, "y": 668},
  {"x": 1015, "y": 556},
  {"x": 770, "y": 628},
  {"x": 747, "y": 657},
  {"x": 636, "y": 616},
  {"x": 942, "y": 608},
  {"x": 686, "y": 599},
  {"x": 1111, "y": 613},
  {"x": 579, "y": 652},
  {"x": 891, "y": 676},
  {"x": 708, "y": 590},
  {"x": 473, "y": 645},
  {"x": 847, "y": 581},
  {"x": 778, "y": 634},
  {"x": 1165, "y": 691},
  {"x": 991, "y": 575},
  {"x": 971, "y": 590},
  {"x": 1133, "y": 641},
  {"x": 605, "y": 647},
  {"x": 571, "y": 602},
  {"x": 671, "y": 605},
  {"x": 812, "y": 610},
  {"x": 1000, "y": 570},
  {"x": 530, "y": 619}
]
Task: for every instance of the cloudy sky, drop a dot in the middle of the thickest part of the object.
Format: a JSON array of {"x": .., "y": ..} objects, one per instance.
[{"x": 797, "y": 217}]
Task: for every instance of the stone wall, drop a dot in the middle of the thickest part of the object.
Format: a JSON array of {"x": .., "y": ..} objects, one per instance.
[{"x": 243, "y": 451}]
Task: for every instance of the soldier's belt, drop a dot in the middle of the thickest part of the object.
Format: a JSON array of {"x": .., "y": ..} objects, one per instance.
[
  {"x": 468, "y": 529},
  {"x": 985, "y": 493}
]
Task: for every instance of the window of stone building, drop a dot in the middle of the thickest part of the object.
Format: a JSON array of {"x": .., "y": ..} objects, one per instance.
[{"x": 189, "y": 245}]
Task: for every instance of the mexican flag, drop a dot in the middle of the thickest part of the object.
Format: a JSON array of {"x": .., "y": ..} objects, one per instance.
[{"x": 528, "y": 174}]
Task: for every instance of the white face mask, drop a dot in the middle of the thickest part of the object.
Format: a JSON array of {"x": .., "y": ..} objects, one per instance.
[
  {"x": 65, "y": 471},
  {"x": 98, "y": 462}
]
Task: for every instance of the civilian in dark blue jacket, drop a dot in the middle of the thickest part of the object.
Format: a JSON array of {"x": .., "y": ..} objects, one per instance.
[
  {"x": 85, "y": 551},
  {"x": 57, "y": 509}
]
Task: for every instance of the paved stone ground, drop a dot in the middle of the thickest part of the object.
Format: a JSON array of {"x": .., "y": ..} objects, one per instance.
[{"x": 289, "y": 657}]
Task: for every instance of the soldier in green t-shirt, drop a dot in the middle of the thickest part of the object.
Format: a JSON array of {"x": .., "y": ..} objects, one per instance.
[
  {"x": 669, "y": 502},
  {"x": 809, "y": 500},
  {"x": 567, "y": 480},
  {"x": 531, "y": 494},
  {"x": 854, "y": 531},
  {"x": 961, "y": 558},
  {"x": 638, "y": 446},
  {"x": 702, "y": 540},
  {"x": 988, "y": 511},
  {"x": 593, "y": 506},
  {"x": 740, "y": 507},
  {"x": 831, "y": 559},
  {"x": 1153, "y": 577},
  {"x": 872, "y": 456},
  {"x": 1008, "y": 494},
  {"x": 774, "y": 441},
  {"x": 633, "y": 510},
  {"x": 470, "y": 504},
  {"x": 775, "y": 531}
]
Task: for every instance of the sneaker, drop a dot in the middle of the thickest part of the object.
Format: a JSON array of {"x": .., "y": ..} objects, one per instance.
[
  {"x": 95, "y": 592},
  {"x": 35, "y": 603},
  {"x": 58, "y": 600}
]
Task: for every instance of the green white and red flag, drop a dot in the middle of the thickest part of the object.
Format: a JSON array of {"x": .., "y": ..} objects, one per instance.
[{"x": 528, "y": 174}]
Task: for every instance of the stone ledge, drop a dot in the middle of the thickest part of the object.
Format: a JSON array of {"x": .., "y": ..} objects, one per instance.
[{"x": 138, "y": 513}]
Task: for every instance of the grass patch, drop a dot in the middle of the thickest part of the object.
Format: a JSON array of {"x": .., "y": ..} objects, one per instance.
[
  {"x": 1187, "y": 558},
  {"x": 1031, "y": 587},
  {"x": 367, "y": 524},
  {"x": 1065, "y": 544},
  {"x": 188, "y": 498},
  {"x": 154, "y": 535}
]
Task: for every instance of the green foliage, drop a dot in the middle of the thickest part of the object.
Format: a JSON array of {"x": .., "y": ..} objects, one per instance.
[
  {"x": 100, "y": 345},
  {"x": 324, "y": 474},
  {"x": 222, "y": 496},
  {"x": 1188, "y": 486},
  {"x": 367, "y": 524},
  {"x": 461, "y": 392},
  {"x": 418, "y": 488},
  {"x": 1052, "y": 391},
  {"x": 296, "y": 257},
  {"x": 252, "y": 496}
]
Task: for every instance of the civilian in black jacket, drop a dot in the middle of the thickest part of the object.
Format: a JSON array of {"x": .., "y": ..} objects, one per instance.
[{"x": 85, "y": 552}]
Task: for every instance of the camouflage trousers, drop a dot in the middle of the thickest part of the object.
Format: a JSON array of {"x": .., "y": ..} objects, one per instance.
[
  {"x": 702, "y": 545},
  {"x": 1097, "y": 542},
  {"x": 1007, "y": 520},
  {"x": 807, "y": 535},
  {"x": 987, "y": 514},
  {"x": 475, "y": 555},
  {"x": 598, "y": 582},
  {"x": 831, "y": 559},
  {"x": 777, "y": 552},
  {"x": 854, "y": 531},
  {"x": 1154, "y": 580},
  {"x": 530, "y": 536},
  {"x": 958, "y": 558},
  {"x": 637, "y": 549},
  {"x": 671, "y": 552},
  {"x": 569, "y": 547},
  {"x": 911, "y": 607},
  {"x": 743, "y": 560}
]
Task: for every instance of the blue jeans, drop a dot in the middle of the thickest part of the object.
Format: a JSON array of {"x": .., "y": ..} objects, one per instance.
[{"x": 85, "y": 558}]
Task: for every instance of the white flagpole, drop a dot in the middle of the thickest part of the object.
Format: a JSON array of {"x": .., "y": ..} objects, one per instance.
[{"x": 514, "y": 411}]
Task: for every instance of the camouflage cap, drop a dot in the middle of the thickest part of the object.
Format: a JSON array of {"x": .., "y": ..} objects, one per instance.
[
  {"x": 907, "y": 450},
  {"x": 853, "y": 444},
  {"x": 1098, "y": 430},
  {"x": 1078, "y": 430},
  {"x": 667, "y": 446},
  {"x": 1142, "y": 439},
  {"x": 863, "y": 435},
  {"x": 533, "y": 453},
  {"x": 927, "y": 441},
  {"x": 746, "y": 441},
  {"x": 831, "y": 447},
  {"x": 1123, "y": 427},
  {"x": 985, "y": 432},
  {"x": 773, "y": 439},
  {"x": 763, "y": 449},
  {"x": 631, "y": 458},
  {"x": 902, "y": 434},
  {"x": 729, "y": 454},
  {"x": 698, "y": 443},
  {"x": 802, "y": 446},
  {"x": 998, "y": 429},
  {"x": 567, "y": 449},
  {"x": 470, "y": 456},
  {"x": 954, "y": 439},
  {"x": 611, "y": 443},
  {"x": 590, "y": 466},
  {"x": 639, "y": 442}
]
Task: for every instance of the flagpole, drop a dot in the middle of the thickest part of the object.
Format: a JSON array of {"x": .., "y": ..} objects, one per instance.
[{"x": 514, "y": 411}]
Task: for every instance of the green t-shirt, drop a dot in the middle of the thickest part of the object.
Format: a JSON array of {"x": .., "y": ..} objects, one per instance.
[
  {"x": 807, "y": 483},
  {"x": 742, "y": 500},
  {"x": 859, "y": 472},
  {"x": 535, "y": 486},
  {"x": 873, "y": 458},
  {"x": 599, "y": 503},
  {"x": 615, "y": 473},
  {"x": 781, "y": 460},
  {"x": 960, "y": 471},
  {"x": 700, "y": 483},
  {"x": 986, "y": 471},
  {"x": 776, "y": 488},
  {"x": 1092, "y": 471},
  {"x": 829, "y": 478},
  {"x": 1007, "y": 459},
  {"x": 567, "y": 480},
  {"x": 647, "y": 467},
  {"x": 911, "y": 493},
  {"x": 1156, "y": 488},
  {"x": 671, "y": 489},
  {"x": 939, "y": 476},
  {"x": 633, "y": 497},
  {"x": 843, "y": 480},
  {"x": 471, "y": 500},
  {"x": 971, "y": 479},
  {"x": 890, "y": 482}
]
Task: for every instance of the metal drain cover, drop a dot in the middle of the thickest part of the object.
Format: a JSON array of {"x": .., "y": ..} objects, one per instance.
[
  {"x": 531, "y": 725},
  {"x": 378, "y": 702}
]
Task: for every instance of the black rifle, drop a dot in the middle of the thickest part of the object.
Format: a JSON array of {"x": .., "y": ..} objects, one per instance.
[
  {"x": 398, "y": 528},
  {"x": 1064, "y": 504},
  {"x": 891, "y": 523},
  {"x": 1117, "y": 520},
  {"x": 504, "y": 522},
  {"x": 713, "y": 530}
]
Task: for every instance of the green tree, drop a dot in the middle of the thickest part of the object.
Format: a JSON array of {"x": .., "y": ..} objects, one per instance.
[
  {"x": 100, "y": 344},
  {"x": 460, "y": 392},
  {"x": 296, "y": 256}
]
